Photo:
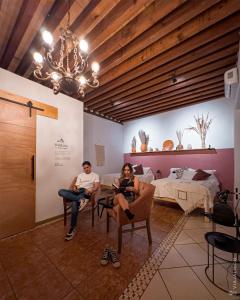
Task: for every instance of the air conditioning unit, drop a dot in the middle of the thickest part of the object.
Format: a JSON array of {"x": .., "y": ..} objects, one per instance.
[{"x": 230, "y": 81}]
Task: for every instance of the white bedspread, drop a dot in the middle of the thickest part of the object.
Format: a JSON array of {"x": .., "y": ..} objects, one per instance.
[{"x": 188, "y": 194}]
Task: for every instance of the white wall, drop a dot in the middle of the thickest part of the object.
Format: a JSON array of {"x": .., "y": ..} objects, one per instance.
[
  {"x": 69, "y": 127},
  {"x": 163, "y": 126},
  {"x": 109, "y": 134}
]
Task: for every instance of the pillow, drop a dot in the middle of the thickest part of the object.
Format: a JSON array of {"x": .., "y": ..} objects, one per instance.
[
  {"x": 179, "y": 173},
  {"x": 188, "y": 174},
  {"x": 173, "y": 174},
  {"x": 147, "y": 170},
  {"x": 210, "y": 171},
  {"x": 138, "y": 170},
  {"x": 201, "y": 175}
]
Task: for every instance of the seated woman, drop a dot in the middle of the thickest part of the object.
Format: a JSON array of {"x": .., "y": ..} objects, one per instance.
[{"x": 128, "y": 188}]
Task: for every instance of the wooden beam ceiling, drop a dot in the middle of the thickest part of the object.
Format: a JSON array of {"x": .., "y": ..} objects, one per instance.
[{"x": 155, "y": 55}]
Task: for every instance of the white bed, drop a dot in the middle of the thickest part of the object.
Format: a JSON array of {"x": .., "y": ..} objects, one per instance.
[
  {"x": 189, "y": 194},
  {"x": 108, "y": 179}
]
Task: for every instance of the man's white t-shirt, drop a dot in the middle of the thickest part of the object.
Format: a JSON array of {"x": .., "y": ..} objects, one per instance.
[{"x": 87, "y": 180}]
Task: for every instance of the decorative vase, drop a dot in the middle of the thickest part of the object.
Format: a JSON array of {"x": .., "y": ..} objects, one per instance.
[
  {"x": 143, "y": 147},
  {"x": 179, "y": 147},
  {"x": 133, "y": 150},
  {"x": 203, "y": 143}
]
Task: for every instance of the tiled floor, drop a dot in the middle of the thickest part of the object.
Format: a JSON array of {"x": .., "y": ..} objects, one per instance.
[
  {"x": 40, "y": 265},
  {"x": 182, "y": 273}
]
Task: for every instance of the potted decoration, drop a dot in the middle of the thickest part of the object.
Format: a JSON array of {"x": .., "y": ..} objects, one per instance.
[
  {"x": 134, "y": 142},
  {"x": 203, "y": 124},
  {"x": 144, "y": 138},
  {"x": 179, "y": 137}
]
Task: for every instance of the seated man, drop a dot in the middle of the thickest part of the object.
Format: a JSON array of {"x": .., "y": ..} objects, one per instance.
[{"x": 86, "y": 183}]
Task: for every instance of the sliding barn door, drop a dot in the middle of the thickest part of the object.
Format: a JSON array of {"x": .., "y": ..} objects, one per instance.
[{"x": 17, "y": 152}]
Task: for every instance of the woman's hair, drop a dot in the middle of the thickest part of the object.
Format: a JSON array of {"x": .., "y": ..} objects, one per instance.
[{"x": 131, "y": 171}]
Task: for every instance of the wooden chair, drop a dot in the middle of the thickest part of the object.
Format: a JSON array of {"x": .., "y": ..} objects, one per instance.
[
  {"x": 141, "y": 208},
  {"x": 67, "y": 204}
]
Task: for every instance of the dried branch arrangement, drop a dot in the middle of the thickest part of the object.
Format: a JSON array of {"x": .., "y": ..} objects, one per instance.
[
  {"x": 203, "y": 125},
  {"x": 144, "y": 138},
  {"x": 179, "y": 134}
]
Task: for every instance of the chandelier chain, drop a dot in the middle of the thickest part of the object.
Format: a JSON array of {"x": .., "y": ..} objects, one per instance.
[{"x": 61, "y": 53}]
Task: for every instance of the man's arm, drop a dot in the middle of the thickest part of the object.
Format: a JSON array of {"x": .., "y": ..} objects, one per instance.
[{"x": 95, "y": 187}]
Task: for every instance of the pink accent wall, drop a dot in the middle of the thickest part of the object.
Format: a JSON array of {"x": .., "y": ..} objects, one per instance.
[{"x": 222, "y": 162}]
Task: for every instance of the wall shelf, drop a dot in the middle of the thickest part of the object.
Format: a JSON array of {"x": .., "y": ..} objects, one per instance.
[{"x": 176, "y": 152}]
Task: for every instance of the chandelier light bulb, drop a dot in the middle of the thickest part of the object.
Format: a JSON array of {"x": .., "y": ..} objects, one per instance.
[
  {"x": 83, "y": 45},
  {"x": 55, "y": 76},
  {"x": 47, "y": 37},
  {"x": 82, "y": 80},
  {"x": 95, "y": 67},
  {"x": 38, "y": 57}
]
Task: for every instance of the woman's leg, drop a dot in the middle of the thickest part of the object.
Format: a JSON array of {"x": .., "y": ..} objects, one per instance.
[{"x": 121, "y": 200}]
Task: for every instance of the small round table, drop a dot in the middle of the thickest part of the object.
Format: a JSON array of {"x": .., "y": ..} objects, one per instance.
[{"x": 225, "y": 243}]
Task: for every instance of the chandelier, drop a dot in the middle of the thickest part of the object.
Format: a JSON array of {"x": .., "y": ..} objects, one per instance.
[{"x": 67, "y": 66}]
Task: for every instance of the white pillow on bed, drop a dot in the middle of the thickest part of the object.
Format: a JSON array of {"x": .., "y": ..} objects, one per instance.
[
  {"x": 188, "y": 174},
  {"x": 173, "y": 175},
  {"x": 147, "y": 170}
]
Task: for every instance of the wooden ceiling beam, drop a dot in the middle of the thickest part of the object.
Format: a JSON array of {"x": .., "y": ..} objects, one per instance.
[
  {"x": 173, "y": 105},
  {"x": 32, "y": 29},
  {"x": 117, "y": 19},
  {"x": 53, "y": 19},
  {"x": 154, "y": 84},
  {"x": 170, "y": 22},
  {"x": 166, "y": 99},
  {"x": 8, "y": 16},
  {"x": 156, "y": 11},
  {"x": 24, "y": 18},
  {"x": 191, "y": 88},
  {"x": 218, "y": 68},
  {"x": 179, "y": 87},
  {"x": 202, "y": 52},
  {"x": 189, "y": 29},
  {"x": 203, "y": 38}
]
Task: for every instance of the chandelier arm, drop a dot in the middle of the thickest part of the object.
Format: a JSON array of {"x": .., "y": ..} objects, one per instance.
[
  {"x": 53, "y": 66},
  {"x": 39, "y": 75},
  {"x": 94, "y": 83}
]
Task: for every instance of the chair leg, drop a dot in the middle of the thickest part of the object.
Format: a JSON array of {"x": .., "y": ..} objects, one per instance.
[
  {"x": 93, "y": 214},
  {"x": 149, "y": 231},
  {"x": 108, "y": 217},
  {"x": 98, "y": 209},
  {"x": 119, "y": 239},
  {"x": 132, "y": 225},
  {"x": 65, "y": 214}
]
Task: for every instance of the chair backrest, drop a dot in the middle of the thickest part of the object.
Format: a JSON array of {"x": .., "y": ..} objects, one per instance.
[{"x": 141, "y": 207}]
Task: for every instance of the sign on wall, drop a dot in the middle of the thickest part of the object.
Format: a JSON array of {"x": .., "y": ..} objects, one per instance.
[
  {"x": 62, "y": 153},
  {"x": 100, "y": 155}
]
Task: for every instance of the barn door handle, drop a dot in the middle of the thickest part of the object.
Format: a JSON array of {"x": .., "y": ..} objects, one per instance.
[{"x": 33, "y": 167}]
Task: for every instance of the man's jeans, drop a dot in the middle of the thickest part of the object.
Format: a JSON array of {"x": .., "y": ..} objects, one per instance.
[{"x": 75, "y": 198}]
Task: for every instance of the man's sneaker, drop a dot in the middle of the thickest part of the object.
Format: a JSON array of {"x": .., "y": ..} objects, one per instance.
[
  {"x": 70, "y": 234},
  {"x": 105, "y": 257},
  {"x": 114, "y": 258},
  {"x": 83, "y": 203}
]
